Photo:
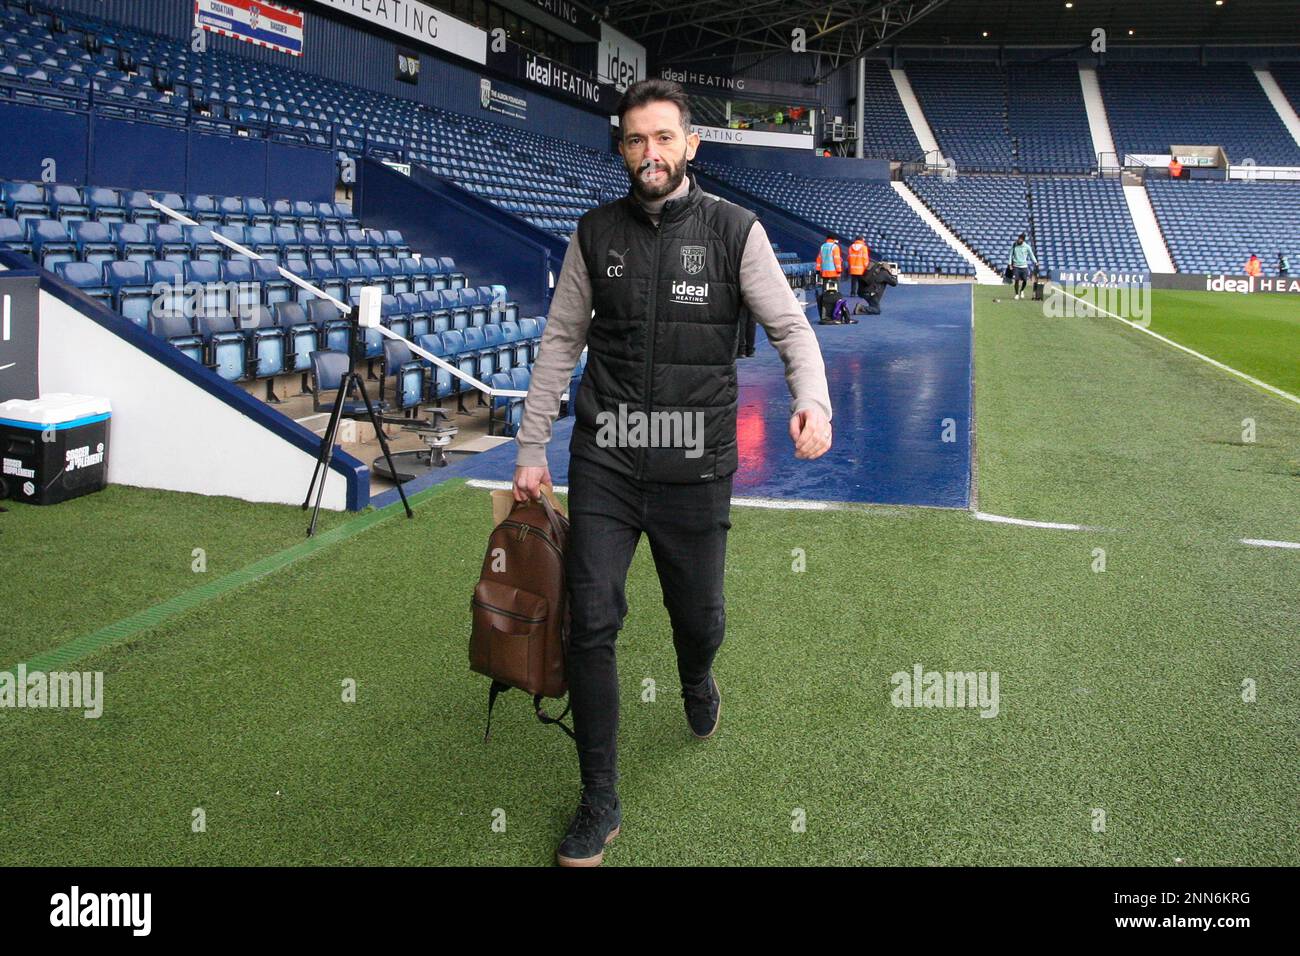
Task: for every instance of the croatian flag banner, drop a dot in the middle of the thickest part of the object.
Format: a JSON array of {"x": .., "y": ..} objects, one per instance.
[{"x": 254, "y": 21}]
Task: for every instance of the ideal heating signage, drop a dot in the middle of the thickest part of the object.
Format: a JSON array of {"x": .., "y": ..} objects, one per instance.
[
  {"x": 568, "y": 12},
  {"x": 554, "y": 76},
  {"x": 620, "y": 59},
  {"x": 419, "y": 22},
  {"x": 1221, "y": 282},
  {"x": 1225, "y": 283}
]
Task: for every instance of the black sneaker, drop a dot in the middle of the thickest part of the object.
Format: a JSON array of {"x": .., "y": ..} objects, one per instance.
[
  {"x": 598, "y": 820},
  {"x": 703, "y": 707}
]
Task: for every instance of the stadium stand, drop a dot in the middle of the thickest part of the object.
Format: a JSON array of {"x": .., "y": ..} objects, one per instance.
[
  {"x": 1027, "y": 118},
  {"x": 497, "y": 162},
  {"x": 1214, "y": 226},
  {"x": 886, "y": 131},
  {"x": 1073, "y": 223},
  {"x": 985, "y": 212},
  {"x": 966, "y": 105},
  {"x": 1155, "y": 106},
  {"x": 1048, "y": 119},
  {"x": 1287, "y": 76},
  {"x": 849, "y": 207},
  {"x": 240, "y": 317},
  {"x": 1084, "y": 224}
]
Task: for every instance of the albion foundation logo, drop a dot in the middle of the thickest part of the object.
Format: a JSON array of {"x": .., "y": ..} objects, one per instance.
[
  {"x": 484, "y": 92},
  {"x": 693, "y": 259}
]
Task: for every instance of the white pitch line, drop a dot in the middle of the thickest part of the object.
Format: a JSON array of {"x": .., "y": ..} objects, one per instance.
[
  {"x": 1026, "y": 523},
  {"x": 1204, "y": 358},
  {"x": 1265, "y": 543},
  {"x": 781, "y": 504}
]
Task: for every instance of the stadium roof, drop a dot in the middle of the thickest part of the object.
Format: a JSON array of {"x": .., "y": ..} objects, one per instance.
[{"x": 703, "y": 31}]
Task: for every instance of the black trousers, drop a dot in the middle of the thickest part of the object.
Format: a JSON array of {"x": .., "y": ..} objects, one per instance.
[
  {"x": 860, "y": 285},
  {"x": 687, "y": 525}
]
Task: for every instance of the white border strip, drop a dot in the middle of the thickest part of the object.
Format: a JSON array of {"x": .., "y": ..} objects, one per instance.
[
  {"x": 1026, "y": 523},
  {"x": 776, "y": 504},
  {"x": 1266, "y": 543},
  {"x": 797, "y": 505},
  {"x": 1204, "y": 358}
]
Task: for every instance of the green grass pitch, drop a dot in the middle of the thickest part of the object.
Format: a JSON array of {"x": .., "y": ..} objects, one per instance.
[{"x": 1121, "y": 690}]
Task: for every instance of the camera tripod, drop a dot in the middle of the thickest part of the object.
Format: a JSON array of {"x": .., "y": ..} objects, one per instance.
[{"x": 350, "y": 379}]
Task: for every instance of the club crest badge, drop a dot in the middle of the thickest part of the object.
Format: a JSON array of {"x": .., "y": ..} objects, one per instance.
[{"x": 693, "y": 259}]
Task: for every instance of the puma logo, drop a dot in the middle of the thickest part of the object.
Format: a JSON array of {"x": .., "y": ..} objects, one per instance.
[{"x": 616, "y": 271}]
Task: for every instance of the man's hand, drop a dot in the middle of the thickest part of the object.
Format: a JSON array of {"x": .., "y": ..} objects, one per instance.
[
  {"x": 811, "y": 433},
  {"x": 529, "y": 480}
]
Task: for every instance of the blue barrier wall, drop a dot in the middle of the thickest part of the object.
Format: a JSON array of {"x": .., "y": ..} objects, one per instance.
[
  {"x": 101, "y": 151},
  {"x": 31, "y": 135},
  {"x": 439, "y": 218},
  {"x": 133, "y": 155},
  {"x": 802, "y": 162},
  {"x": 342, "y": 50}
]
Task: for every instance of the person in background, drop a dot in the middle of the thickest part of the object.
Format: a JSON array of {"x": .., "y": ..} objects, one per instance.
[
  {"x": 1283, "y": 265},
  {"x": 859, "y": 260},
  {"x": 829, "y": 259},
  {"x": 830, "y": 266},
  {"x": 1175, "y": 168},
  {"x": 1021, "y": 255},
  {"x": 1253, "y": 266}
]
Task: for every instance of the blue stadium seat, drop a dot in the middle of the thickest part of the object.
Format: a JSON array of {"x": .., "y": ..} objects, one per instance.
[
  {"x": 105, "y": 204},
  {"x": 89, "y": 278},
  {"x": 301, "y": 334},
  {"x": 50, "y": 241},
  {"x": 129, "y": 284},
  {"x": 94, "y": 242}
]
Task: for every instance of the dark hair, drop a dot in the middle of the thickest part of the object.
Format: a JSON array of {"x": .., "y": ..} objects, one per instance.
[{"x": 655, "y": 90}]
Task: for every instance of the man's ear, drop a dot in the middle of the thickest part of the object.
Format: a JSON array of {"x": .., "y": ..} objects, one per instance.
[{"x": 692, "y": 144}]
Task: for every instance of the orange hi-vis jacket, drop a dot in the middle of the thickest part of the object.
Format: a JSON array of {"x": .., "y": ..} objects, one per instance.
[
  {"x": 859, "y": 258},
  {"x": 1175, "y": 168},
  {"x": 830, "y": 255},
  {"x": 1253, "y": 267}
]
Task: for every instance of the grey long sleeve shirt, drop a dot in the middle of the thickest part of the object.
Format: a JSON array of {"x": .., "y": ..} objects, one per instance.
[{"x": 764, "y": 288}]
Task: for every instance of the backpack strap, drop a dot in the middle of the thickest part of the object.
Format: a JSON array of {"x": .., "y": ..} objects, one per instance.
[
  {"x": 542, "y": 716},
  {"x": 497, "y": 688}
]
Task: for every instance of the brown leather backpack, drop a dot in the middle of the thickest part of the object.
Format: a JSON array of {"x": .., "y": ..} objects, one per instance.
[{"x": 520, "y": 608}]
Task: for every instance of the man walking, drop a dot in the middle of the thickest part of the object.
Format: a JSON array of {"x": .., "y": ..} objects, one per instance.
[
  {"x": 1021, "y": 255},
  {"x": 666, "y": 270}
]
